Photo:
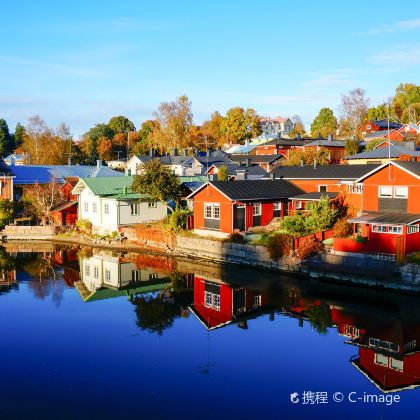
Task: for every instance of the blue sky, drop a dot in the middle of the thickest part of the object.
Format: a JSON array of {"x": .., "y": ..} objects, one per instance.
[{"x": 82, "y": 62}]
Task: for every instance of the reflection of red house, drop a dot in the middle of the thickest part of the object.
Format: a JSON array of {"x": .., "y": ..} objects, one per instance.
[
  {"x": 69, "y": 260},
  {"x": 218, "y": 304},
  {"x": 228, "y": 206}
]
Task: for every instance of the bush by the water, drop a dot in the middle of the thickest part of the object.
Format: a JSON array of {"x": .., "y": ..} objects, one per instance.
[
  {"x": 342, "y": 229},
  {"x": 235, "y": 238},
  {"x": 309, "y": 247},
  {"x": 178, "y": 220},
  {"x": 278, "y": 245}
]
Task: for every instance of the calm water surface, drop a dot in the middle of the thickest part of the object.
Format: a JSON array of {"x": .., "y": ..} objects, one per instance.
[{"x": 88, "y": 334}]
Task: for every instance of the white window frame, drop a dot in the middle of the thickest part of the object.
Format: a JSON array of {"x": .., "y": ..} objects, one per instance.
[
  {"x": 299, "y": 205},
  {"x": 135, "y": 275},
  {"x": 107, "y": 275},
  {"x": 212, "y": 211},
  {"x": 385, "y": 187},
  {"x": 390, "y": 229},
  {"x": 106, "y": 208},
  {"x": 212, "y": 300},
  {"x": 404, "y": 195},
  {"x": 413, "y": 229},
  {"x": 87, "y": 270},
  {"x": 152, "y": 205},
  {"x": 86, "y": 206},
  {"x": 94, "y": 207},
  {"x": 323, "y": 185},
  {"x": 277, "y": 205},
  {"x": 96, "y": 272},
  {"x": 256, "y": 209},
  {"x": 135, "y": 211}
]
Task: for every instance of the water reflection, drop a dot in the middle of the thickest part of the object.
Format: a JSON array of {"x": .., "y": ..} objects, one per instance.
[{"x": 383, "y": 327}]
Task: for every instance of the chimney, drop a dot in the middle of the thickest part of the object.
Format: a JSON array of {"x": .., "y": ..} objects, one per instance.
[
  {"x": 12, "y": 160},
  {"x": 301, "y": 162},
  {"x": 152, "y": 152},
  {"x": 99, "y": 163},
  {"x": 330, "y": 137},
  {"x": 174, "y": 151},
  {"x": 208, "y": 153},
  {"x": 272, "y": 176},
  {"x": 314, "y": 163},
  {"x": 241, "y": 175}
]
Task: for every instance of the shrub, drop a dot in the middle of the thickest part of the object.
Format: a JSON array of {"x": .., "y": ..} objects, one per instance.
[
  {"x": 360, "y": 239},
  {"x": 7, "y": 212},
  {"x": 278, "y": 244},
  {"x": 308, "y": 248},
  {"x": 84, "y": 225},
  {"x": 235, "y": 238},
  {"x": 178, "y": 220},
  {"x": 342, "y": 229}
]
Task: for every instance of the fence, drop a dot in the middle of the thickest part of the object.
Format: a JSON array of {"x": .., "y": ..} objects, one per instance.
[{"x": 321, "y": 236}]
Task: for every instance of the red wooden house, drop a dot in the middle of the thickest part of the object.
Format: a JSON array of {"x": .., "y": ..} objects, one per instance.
[
  {"x": 65, "y": 212},
  {"x": 335, "y": 148},
  {"x": 391, "y": 211},
  {"x": 229, "y": 206}
]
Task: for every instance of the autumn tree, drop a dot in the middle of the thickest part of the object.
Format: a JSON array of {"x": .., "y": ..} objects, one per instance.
[
  {"x": 120, "y": 123},
  {"x": 298, "y": 127},
  {"x": 141, "y": 145},
  {"x": 406, "y": 94},
  {"x": 352, "y": 147},
  {"x": 158, "y": 182},
  {"x": 354, "y": 108},
  {"x": 104, "y": 148},
  {"x": 308, "y": 157},
  {"x": 239, "y": 125},
  {"x": 174, "y": 122},
  {"x": 212, "y": 129},
  {"x": 222, "y": 173},
  {"x": 324, "y": 123}
]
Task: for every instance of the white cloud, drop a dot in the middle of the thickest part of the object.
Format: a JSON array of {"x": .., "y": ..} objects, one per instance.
[
  {"x": 400, "y": 26},
  {"x": 398, "y": 57}
]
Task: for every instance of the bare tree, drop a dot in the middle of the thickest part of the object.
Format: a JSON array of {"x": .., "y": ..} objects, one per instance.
[{"x": 354, "y": 108}]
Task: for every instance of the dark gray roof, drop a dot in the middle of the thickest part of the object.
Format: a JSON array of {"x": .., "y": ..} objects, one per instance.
[
  {"x": 413, "y": 167},
  {"x": 327, "y": 143},
  {"x": 387, "y": 218},
  {"x": 255, "y": 170},
  {"x": 314, "y": 196},
  {"x": 347, "y": 172},
  {"x": 378, "y": 134},
  {"x": 255, "y": 158},
  {"x": 4, "y": 168},
  {"x": 255, "y": 190},
  {"x": 385, "y": 152}
]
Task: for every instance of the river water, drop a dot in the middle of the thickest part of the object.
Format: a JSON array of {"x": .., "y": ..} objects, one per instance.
[{"x": 92, "y": 334}]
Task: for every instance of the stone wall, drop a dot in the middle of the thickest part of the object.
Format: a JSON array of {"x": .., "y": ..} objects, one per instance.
[{"x": 29, "y": 232}]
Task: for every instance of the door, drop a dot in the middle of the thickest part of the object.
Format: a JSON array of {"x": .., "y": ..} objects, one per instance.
[{"x": 239, "y": 218}]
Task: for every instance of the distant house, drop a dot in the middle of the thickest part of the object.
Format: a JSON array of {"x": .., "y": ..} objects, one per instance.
[
  {"x": 283, "y": 146},
  {"x": 6, "y": 181},
  {"x": 277, "y": 125},
  {"x": 180, "y": 165},
  {"x": 384, "y": 152},
  {"x": 378, "y": 125},
  {"x": 109, "y": 204},
  {"x": 267, "y": 162},
  {"x": 16, "y": 159},
  {"x": 391, "y": 134},
  {"x": 335, "y": 148},
  {"x": 412, "y": 129},
  {"x": 223, "y": 207}
]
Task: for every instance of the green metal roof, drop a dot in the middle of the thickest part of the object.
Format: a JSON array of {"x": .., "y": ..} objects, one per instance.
[
  {"x": 197, "y": 178},
  {"x": 129, "y": 196},
  {"x": 109, "y": 185}
]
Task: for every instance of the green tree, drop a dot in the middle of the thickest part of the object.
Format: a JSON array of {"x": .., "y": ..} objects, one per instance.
[
  {"x": 239, "y": 125},
  {"x": 324, "y": 123},
  {"x": 6, "y": 139},
  {"x": 373, "y": 143},
  {"x": 142, "y": 144},
  {"x": 378, "y": 113},
  {"x": 158, "y": 182},
  {"x": 405, "y": 94},
  {"x": 7, "y": 212},
  {"x": 20, "y": 134},
  {"x": 352, "y": 147},
  {"x": 222, "y": 174},
  {"x": 120, "y": 123},
  {"x": 89, "y": 144}
]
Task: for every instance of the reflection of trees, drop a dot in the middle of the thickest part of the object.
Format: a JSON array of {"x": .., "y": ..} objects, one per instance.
[
  {"x": 319, "y": 318},
  {"x": 157, "y": 311}
]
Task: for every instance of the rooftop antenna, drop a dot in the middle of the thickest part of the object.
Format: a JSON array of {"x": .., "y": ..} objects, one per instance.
[{"x": 389, "y": 145}]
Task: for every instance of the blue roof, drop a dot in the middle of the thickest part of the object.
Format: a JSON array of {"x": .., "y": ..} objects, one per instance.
[{"x": 44, "y": 174}]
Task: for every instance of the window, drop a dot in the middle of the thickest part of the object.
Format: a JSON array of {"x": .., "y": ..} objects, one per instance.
[
  {"x": 413, "y": 229},
  {"x": 153, "y": 276},
  {"x": 277, "y": 205},
  {"x": 368, "y": 127},
  {"x": 355, "y": 188},
  {"x": 212, "y": 211},
  {"x": 385, "y": 191},
  {"x": 256, "y": 209},
  {"x": 87, "y": 269},
  {"x": 394, "y": 229},
  {"x": 135, "y": 209},
  {"x": 256, "y": 301},
  {"x": 96, "y": 272},
  {"x": 129, "y": 172},
  {"x": 401, "y": 192},
  {"x": 94, "y": 207},
  {"x": 322, "y": 188},
  {"x": 211, "y": 300},
  {"x": 107, "y": 275},
  {"x": 152, "y": 204},
  {"x": 381, "y": 360},
  {"x": 299, "y": 205},
  {"x": 135, "y": 275},
  {"x": 190, "y": 165},
  {"x": 106, "y": 208},
  {"x": 396, "y": 364},
  {"x": 86, "y": 206}
]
